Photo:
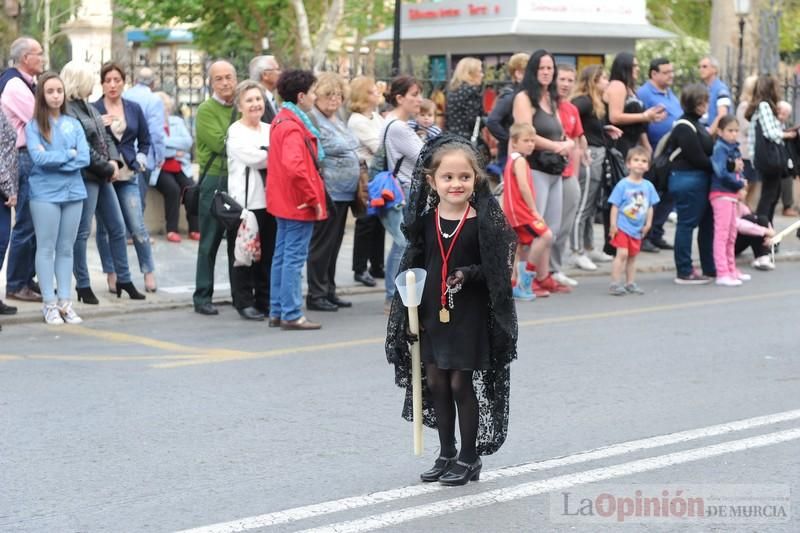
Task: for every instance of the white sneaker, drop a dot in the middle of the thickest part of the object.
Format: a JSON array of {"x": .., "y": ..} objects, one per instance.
[
  {"x": 763, "y": 263},
  {"x": 564, "y": 279},
  {"x": 52, "y": 315},
  {"x": 600, "y": 256},
  {"x": 68, "y": 314},
  {"x": 728, "y": 282},
  {"x": 743, "y": 277},
  {"x": 583, "y": 262},
  {"x": 673, "y": 217}
]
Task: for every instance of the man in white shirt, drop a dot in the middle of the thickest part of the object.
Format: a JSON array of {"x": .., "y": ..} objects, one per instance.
[{"x": 265, "y": 70}]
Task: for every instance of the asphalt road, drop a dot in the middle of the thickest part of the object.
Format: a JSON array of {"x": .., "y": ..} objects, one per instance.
[{"x": 169, "y": 420}]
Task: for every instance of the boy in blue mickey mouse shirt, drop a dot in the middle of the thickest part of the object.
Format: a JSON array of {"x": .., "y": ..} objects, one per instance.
[{"x": 632, "y": 202}]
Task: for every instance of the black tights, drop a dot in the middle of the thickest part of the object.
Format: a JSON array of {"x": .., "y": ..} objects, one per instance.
[{"x": 451, "y": 389}]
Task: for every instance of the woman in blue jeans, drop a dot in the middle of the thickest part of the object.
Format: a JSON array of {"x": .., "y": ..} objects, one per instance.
[
  {"x": 58, "y": 148},
  {"x": 127, "y": 125},
  {"x": 689, "y": 185},
  {"x": 402, "y": 146},
  {"x": 295, "y": 196},
  {"x": 101, "y": 198}
]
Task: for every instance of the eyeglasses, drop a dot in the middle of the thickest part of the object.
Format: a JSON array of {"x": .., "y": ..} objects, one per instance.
[{"x": 333, "y": 95}]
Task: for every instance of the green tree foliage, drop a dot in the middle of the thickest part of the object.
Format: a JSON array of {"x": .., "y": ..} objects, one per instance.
[
  {"x": 691, "y": 18},
  {"x": 224, "y": 28},
  {"x": 790, "y": 29}
]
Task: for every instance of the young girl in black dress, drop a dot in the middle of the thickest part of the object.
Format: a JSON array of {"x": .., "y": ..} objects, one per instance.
[{"x": 457, "y": 232}]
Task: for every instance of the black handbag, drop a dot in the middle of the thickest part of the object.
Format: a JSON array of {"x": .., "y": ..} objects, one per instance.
[
  {"x": 226, "y": 210},
  {"x": 549, "y": 162},
  {"x": 191, "y": 194},
  {"x": 101, "y": 171},
  {"x": 770, "y": 159}
]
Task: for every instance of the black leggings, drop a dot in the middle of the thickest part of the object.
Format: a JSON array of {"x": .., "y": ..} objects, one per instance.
[
  {"x": 770, "y": 193},
  {"x": 743, "y": 242},
  {"x": 171, "y": 186},
  {"x": 453, "y": 389}
]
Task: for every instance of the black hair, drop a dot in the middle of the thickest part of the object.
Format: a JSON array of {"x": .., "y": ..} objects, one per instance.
[
  {"x": 622, "y": 69},
  {"x": 692, "y": 96},
  {"x": 293, "y": 82},
  {"x": 726, "y": 120},
  {"x": 655, "y": 65},
  {"x": 400, "y": 86},
  {"x": 530, "y": 82}
]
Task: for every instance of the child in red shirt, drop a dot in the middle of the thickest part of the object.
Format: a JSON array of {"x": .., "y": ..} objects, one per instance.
[{"x": 519, "y": 206}]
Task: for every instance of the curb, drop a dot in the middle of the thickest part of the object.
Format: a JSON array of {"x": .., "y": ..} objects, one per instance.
[{"x": 30, "y": 317}]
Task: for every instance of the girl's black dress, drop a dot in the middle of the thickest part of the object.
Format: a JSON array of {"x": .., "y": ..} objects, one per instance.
[
  {"x": 462, "y": 343},
  {"x": 491, "y": 268}
]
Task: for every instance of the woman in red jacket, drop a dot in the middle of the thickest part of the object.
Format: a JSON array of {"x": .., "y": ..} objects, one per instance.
[{"x": 295, "y": 196}]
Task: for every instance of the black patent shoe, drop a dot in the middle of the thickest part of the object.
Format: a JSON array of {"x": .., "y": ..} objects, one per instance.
[
  {"x": 462, "y": 473},
  {"x": 207, "y": 309},
  {"x": 338, "y": 302},
  {"x": 440, "y": 466},
  {"x": 251, "y": 313},
  {"x": 320, "y": 304},
  {"x": 365, "y": 279}
]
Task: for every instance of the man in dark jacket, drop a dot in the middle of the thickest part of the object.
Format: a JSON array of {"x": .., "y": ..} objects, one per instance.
[
  {"x": 502, "y": 116},
  {"x": 265, "y": 70}
]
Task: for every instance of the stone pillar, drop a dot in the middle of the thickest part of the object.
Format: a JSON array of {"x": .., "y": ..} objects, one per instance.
[{"x": 89, "y": 34}]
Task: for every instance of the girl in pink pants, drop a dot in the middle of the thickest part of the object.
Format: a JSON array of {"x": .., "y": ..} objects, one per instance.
[{"x": 725, "y": 186}]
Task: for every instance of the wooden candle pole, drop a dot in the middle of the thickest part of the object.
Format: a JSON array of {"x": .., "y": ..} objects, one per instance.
[{"x": 416, "y": 365}]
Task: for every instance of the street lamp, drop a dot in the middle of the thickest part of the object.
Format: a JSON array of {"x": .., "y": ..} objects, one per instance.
[
  {"x": 398, "y": 14},
  {"x": 742, "y": 8}
]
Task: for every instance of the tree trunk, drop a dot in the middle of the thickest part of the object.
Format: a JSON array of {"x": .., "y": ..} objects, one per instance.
[
  {"x": 723, "y": 36},
  {"x": 371, "y": 56},
  {"x": 355, "y": 68},
  {"x": 769, "y": 25},
  {"x": 326, "y": 31},
  {"x": 305, "y": 49}
]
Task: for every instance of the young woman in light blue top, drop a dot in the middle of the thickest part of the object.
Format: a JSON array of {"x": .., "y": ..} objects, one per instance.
[{"x": 59, "y": 151}]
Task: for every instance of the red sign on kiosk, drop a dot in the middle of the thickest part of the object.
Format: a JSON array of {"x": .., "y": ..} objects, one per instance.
[{"x": 472, "y": 10}]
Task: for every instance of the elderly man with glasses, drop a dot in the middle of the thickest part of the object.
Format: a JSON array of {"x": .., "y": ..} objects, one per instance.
[{"x": 17, "y": 89}]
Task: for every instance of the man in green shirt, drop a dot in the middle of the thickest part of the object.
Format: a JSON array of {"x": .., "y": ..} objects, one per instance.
[{"x": 214, "y": 116}]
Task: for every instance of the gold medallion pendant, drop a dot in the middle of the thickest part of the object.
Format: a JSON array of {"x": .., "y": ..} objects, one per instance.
[{"x": 444, "y": 315}]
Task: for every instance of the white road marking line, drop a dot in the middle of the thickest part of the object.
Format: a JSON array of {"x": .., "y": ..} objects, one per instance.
[
  {"x": 354, "y": 502},
  {"x": 526, "y": 490}
]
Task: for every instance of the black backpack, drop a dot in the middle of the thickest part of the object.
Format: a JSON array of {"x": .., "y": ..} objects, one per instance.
[{"x": 663, "y": 157}]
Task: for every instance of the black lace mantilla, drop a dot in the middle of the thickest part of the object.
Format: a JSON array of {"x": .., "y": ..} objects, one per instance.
[{"x": 497, "y": 244}]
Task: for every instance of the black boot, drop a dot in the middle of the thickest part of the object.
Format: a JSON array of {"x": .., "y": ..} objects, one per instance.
[
  {"x": 130, "y": 289},
  {"x": 86, "y": 296}
]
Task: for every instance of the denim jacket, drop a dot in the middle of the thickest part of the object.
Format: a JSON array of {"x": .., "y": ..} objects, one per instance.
[
  {"x": 179, "y": 140},
  {"x": 57, "y": 164},
  {"x": 723, "y": 159},
  {"x": 340, "y": 168}
]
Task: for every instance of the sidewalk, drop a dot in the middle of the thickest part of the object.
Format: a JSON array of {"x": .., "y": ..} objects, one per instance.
[{"x": 175, "y": 272}]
